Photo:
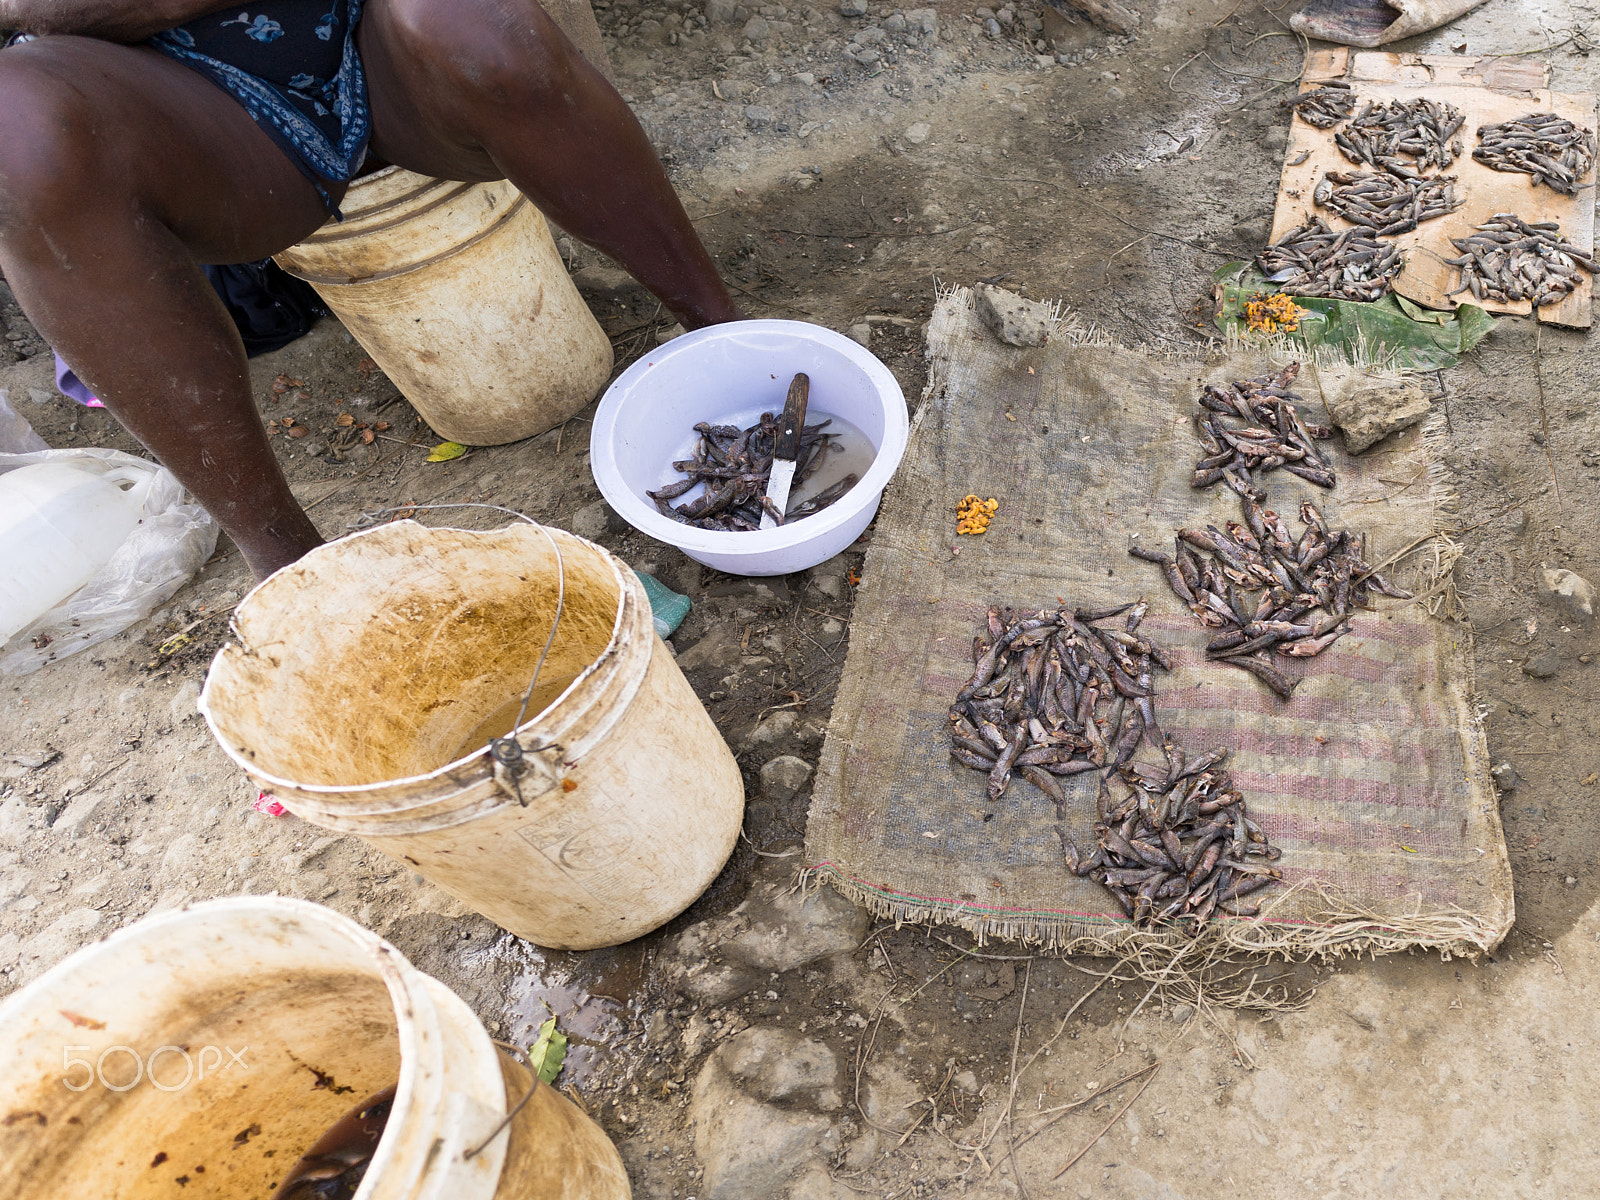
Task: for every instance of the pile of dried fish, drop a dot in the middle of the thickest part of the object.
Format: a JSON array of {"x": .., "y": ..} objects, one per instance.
[
  {"x": 1508, "y": 259},
  {"x": 1556, "y": 152},
  {"x": 1321, "y": 569},
  {"x": 1274, "y": 434},
  {"x": 1384, "y": 202},
  {"x": 1057, "y": 693},
  {"x": 735, "y": 465},
  {"x": 1314, "y": 260},
  {"x": 1180, "y": 846},
  {"x": 1324, "y": 107},
  {"x": 1408, "y": 137}
]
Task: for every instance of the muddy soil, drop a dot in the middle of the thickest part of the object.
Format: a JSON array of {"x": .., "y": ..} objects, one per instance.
[{"x": 841, "y": 175}]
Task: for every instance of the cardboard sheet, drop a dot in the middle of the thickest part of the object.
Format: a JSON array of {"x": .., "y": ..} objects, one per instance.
[{"x": 1487, "y": 90}]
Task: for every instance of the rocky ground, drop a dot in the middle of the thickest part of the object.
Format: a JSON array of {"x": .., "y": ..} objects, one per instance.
[{"x": 841, "y": 162}]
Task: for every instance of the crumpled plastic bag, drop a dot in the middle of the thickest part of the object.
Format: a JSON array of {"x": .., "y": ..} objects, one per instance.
[
  {"x": 16, "y": 435},
  {"x": 1369, "y": 23},
  {"x": 172, "y": 541}
]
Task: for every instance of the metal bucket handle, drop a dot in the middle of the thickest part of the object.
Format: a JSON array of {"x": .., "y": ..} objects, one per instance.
[{"x": 512, "y": 760}]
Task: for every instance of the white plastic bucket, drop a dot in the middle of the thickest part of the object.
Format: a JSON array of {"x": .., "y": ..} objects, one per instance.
[
  {"x": 459, "y": 294},
  {"x": 730, "y": 374},
  {"x": 201, "y": 1052},
  {"x": 370, "y": 674}
]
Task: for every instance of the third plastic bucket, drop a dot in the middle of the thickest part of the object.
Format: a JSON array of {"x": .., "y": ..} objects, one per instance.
[
  {"x": 200, "y": 1053},
  {"x": 369, "y": 677},
  {"x": 459, "y": 294}
]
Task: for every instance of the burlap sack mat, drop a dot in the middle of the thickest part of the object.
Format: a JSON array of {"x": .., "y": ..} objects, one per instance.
[{"x": 1372, "y": 779}]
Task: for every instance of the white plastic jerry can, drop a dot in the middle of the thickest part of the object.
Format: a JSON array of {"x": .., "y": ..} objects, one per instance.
[{"x": 60, "y": 523}]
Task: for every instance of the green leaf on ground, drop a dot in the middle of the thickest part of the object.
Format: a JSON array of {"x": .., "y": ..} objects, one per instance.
[
  {"x": 1391, "y": 331},
  {"x": 445, "y": 451},
  {"x": 549, "y": 1052}
]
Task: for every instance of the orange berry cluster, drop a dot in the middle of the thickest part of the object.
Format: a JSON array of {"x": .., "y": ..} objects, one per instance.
[
  {"x": 1272, "y": 314},
  {"x": 973, "y": 515}
]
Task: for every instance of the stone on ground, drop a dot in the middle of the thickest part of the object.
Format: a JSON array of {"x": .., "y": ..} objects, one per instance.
[
  {"x": 1015, "y": 321},
  {"x": 1569, "y": 592},
  {"x": 776, "y": 929},
  {"x": 788, "y": 929},
  {"x": 1367, "y": 415},
  {"x": 783, "y": 777},
  {"x": 1542, "y": 665},
  {"x": 775, "y": 727},
  {"x": 759, "y": 1112}
]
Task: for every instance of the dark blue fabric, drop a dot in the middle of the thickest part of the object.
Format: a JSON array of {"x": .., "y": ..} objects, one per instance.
[
  {"x": 270, "y": 306},
  {"x": 293, "y": 64}
]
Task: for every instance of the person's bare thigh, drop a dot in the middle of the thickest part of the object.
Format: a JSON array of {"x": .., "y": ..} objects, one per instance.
[
  {"x": 125, "y": 123},
  {"x": 422, "y": 101}
]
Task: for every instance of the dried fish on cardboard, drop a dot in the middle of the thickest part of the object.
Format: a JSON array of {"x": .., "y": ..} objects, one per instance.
[
  {"x": 1324, "y": 107},
  {"x": 1316, "y": 260},
  {"x": 1384, "y": 202},
  {"x": 1555, "y": 151},
  {"x": 1408, "y": 137},
  {"x": 1508, "y": 259}
]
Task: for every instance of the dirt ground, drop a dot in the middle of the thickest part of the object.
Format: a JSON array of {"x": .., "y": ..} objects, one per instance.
[{"x": 1116, "y": 178}]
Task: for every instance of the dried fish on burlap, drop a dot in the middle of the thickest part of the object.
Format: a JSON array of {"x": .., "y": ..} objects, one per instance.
[
  {"x": 1257, "y": 581},
  {"x": 1372, "y": 779},
  {"x": 1274, "y": 434}
]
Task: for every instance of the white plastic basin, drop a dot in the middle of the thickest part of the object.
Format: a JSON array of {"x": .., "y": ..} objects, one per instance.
[{"x": 729, "y": 375}]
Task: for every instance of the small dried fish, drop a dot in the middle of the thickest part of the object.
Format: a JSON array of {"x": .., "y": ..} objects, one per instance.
[
  {"x": 1386, "y": 203},
  {"x": 1264, "y": 590},
  {"x": 1506, "y": 259},
  {"x": 1324, "y": 107},
  {"x": 1555, "y": 151},
  {"x": 1315, "y": 260},
  {"x": 1408, "y": 137},
  {"x": 1073, "y": 692},
  {"x": 1273, "y": 435},
  {"x": 1176, "y": 846},
  {"x": 735, "y": 465}
]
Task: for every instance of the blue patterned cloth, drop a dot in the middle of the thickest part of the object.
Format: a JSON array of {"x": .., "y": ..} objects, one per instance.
[{"x": 293, "y": 64}]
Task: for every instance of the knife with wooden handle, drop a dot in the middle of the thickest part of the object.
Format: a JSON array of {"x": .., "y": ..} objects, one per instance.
[{"x": 788, "y": 449}]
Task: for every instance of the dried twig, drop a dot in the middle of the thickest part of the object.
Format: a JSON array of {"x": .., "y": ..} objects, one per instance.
[
  {"x": 1011, "y": 1098},
  {"x": 1061, "y": 1110},
  {"x": 1544, "y": 417},
  {"x": 1154, "y": 1069}
]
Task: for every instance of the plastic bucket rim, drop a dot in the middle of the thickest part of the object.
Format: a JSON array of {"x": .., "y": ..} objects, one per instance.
[
  {"x": 690, "y": 539},
  {"x": 476, "y": 762}
]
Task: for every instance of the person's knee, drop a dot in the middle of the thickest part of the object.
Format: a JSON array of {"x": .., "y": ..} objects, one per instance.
[
  {"x": 502, "y": 51},
  {"x": 47, "y": 136}
]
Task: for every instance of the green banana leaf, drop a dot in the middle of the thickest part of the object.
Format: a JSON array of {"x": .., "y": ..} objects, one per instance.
[{"x": 1391, "y": 331}]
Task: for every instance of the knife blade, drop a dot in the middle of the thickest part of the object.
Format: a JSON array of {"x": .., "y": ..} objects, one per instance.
[{"x": 787, "y": 450}]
